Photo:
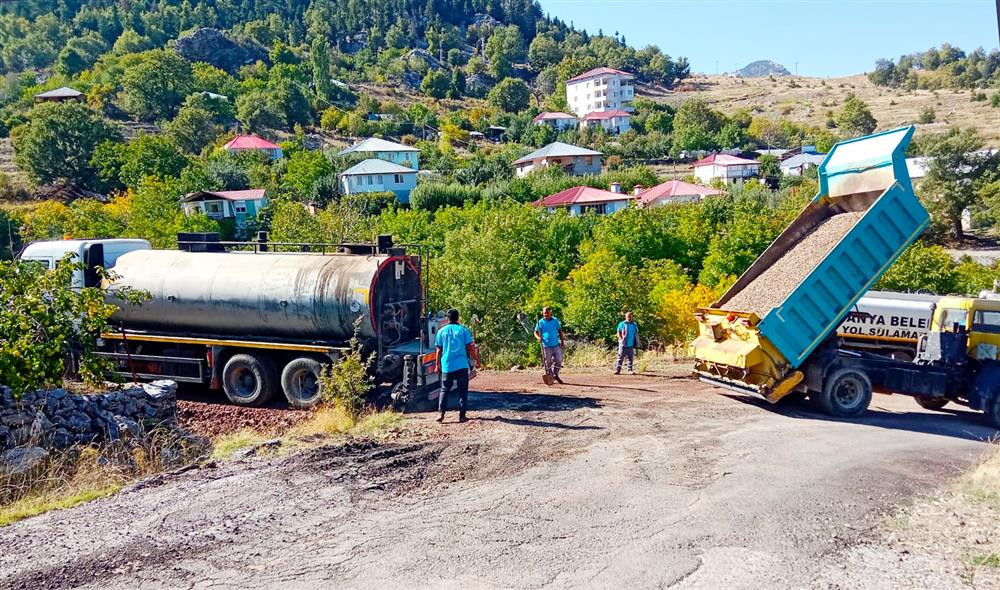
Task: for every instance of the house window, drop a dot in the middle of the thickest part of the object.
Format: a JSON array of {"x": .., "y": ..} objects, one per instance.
[
  {"x": 213, "y": 207},
  {"x": 599, "y": 208},
  {"x": 240, "y": 206},
  {"x": 380, "y": 179},
  {"x": 590, "y": 160},
  {"x": 398, "y": 179},
  {"x": 370, "y": 180}
]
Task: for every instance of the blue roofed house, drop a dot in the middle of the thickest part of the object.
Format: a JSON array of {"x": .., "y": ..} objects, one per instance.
[
  {"x": 374, "y": 175},
  {"x": 241, "y": 206},
  {"x": 390, "y": 151}
]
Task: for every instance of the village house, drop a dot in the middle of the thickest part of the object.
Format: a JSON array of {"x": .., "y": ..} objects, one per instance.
[
  {"x": 390, "y": 151},
  {"x": 728, "y": 169},
  {"x": 573, "y": 159},
  {"x": 600, "y": 89},
  {"x": 374, "y": 175},
  {"x": 61, "y": 94},
  {"x": 674, "y": 191},
  {"x": 799, "y": 163},
  {"x": 242, "y": 143},
  {"x": 584, "y": 199},
  {"x": 558, "y": 121},
  {"x": 241, "y": 206},
  {"x": 616, "y": 121}
]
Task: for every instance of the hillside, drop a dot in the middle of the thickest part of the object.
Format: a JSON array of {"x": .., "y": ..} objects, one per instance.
[{"x": 810, "y": 100}]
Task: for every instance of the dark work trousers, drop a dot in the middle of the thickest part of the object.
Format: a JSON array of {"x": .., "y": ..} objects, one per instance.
[{"x": 461, "y": 378}]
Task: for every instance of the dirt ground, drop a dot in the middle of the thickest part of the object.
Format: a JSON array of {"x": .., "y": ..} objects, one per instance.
[{"x": 645, "y": 481}]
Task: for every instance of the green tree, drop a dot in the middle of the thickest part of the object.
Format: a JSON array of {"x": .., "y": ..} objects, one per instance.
[
  {"x": 319, "y": 56},
  {"x": 192, "y": 129},
  {"x": 131, "y": 42},
  {"x": 58, "y": 141},
  {"x": 950, "y": 186},
  {"x": 770, "y": 167},
  {"x": 696, "y": 126},
  {"x": 155, "y": 87},
  {"x": 504, "y": 47},
  {"x": 436, "y": 84},
  {"x": 599, "y": 292},
  {"x": 150, "y": 155},
  {"x": 855, "y": 118},
  {"x": 544, "y": 51},
  {"x": 304, "y": 168},
  {"x": 457, "y": 84},
  {"x": 256, "y": 111},
  {"x": 511, "y": 95}
]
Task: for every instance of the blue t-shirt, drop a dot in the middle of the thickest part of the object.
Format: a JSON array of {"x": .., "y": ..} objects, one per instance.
[
  {"x": 549, "y": 329},
  {"x": 452, "y": 340},
  {"x": 630, "y": 331}
]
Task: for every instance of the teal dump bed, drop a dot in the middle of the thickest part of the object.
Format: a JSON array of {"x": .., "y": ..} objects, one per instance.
[{"x": 867, "y": 177}]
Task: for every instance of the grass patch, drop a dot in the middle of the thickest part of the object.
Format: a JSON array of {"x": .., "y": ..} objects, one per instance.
[
  {"x": 986, "y": 560},
  {"x": 329, "y": 420},
  {"x": 224, "y": 446},
  {"x": 378, "y": 424},
  {"x": 588, "y": 354},
  {"x": 34, "y": 505}
]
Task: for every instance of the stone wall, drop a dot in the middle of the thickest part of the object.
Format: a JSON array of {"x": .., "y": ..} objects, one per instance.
[{"x": 57, "y": 419}]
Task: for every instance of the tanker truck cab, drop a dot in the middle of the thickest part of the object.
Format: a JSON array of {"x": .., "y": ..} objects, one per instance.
[{"x": 94, "y": 253}]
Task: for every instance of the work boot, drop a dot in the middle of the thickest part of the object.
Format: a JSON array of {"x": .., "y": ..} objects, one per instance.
[
  {"x": 558, "y": 380},
  {"x": 618, "y": 371},
  {"x": 462, "y": 418},
  {"x": 441, "y": 417}
]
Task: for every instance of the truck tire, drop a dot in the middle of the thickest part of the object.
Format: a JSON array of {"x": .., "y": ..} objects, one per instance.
[
  {"x": 993, "y": 411},
  {"x": 931, "y": 403},
  {"x": 249, "y": 380},
  {"x": 846, "y": 393},
  {"x": 301, "y": 384}
]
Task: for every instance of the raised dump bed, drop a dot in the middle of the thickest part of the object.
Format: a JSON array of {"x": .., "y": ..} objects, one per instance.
[{"x": 801, "y": 288}]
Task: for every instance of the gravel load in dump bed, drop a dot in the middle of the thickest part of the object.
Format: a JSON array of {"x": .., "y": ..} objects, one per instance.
[{"x": 776, "y": 283}]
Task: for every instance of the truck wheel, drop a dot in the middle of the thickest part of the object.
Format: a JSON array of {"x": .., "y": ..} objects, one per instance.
[
  {"x": 300, "y": 381},
  {"x": 931, "y": 403},
  {"x": 249, "y": 380},
  {"x": 846, "y": 393},
  {"x": 993, "y": 411}
]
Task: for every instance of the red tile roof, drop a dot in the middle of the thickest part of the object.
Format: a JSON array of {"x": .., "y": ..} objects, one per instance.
[
  {"x": 250, "y": 142},
  {"x": 581, "y": 194},
  {"x": 601, "y": 115},
  {"x": 675, "y": 188},
  {"x": 598, "y": 72},
  {"x": 547, "y": 116},
  {"x": 724, "y": 160}
]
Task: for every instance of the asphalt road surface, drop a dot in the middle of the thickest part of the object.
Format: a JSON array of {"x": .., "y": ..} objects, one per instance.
[{"x": 627, "y": 482}]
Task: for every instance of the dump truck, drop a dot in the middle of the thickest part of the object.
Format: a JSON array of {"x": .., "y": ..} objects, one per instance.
[
  {"x": 773, "y": 333},
  {"x": 889, "y": 323},
  {"x": 260, "y": 319}
]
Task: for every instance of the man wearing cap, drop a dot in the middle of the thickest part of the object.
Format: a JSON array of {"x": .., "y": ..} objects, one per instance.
[{"x": 456, "y": 353}]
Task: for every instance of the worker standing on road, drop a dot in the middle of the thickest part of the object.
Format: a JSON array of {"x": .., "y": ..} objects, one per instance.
[
  {"x": 628, "y": 339},
  {"x": 456, "y": 354},
  {"x": 548, "y": 332}
]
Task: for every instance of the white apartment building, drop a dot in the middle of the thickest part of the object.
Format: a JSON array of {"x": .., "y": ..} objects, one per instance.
[{"x": 600, "y": 89}]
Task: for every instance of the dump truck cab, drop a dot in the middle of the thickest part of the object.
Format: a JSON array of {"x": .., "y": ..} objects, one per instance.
[{"x": 977, "y": 317}]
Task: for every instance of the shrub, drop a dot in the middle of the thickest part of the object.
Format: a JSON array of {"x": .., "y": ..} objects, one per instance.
[
  {"x": 922, "y": 268},
  {"x": 927, "y": 115},
  {"x": 434, "y": 195},
  {"x": 345, "y": 383}
]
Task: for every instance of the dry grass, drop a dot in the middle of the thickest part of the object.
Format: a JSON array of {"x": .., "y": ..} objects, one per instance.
[
  {"x": 378, "y": 424},
  {"x": 809, "y": 100},
  {"x": 85, "y": 473},
  {"x": 226, "y": 445},
  {"x": 329, "y": 420}
]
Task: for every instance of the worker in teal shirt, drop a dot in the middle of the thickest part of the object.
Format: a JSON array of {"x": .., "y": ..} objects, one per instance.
[
  {"x": 628, "y": 339},
  {"x": 456, "y": 353},
  {"x": 548, "y": 332}
]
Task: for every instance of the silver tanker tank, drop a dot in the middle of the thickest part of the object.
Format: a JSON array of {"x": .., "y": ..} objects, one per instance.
[{"x": 272, "y": 295}]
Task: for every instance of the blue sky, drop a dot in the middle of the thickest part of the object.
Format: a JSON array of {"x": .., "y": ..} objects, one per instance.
[{"x": 825, "y": 37}]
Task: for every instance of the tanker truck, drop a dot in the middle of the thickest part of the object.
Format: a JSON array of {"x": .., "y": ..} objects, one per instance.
[
  {"x": 887, "y": 323},
  {"x": 257, "y": 322},
  {"x": 773, "y": 333}
]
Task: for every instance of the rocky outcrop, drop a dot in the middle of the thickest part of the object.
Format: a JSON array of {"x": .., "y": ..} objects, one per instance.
[
  {"x": 214, "y": 47},
  {"x": 56, "y": 419}
]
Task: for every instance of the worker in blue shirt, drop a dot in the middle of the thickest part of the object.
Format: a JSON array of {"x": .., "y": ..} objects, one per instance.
[
  {"x": 548, "y": 332},
  {"x": 456, "y": 354},
  {"x": 628, "y": 339}
]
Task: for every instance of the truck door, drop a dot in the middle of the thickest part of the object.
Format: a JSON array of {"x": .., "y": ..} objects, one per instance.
[
  {"x": 93, "y": 260},
  {"x": 984, "y": 339}
]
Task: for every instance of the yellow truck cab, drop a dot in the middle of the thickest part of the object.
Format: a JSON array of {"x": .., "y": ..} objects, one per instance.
[{"x": 979, "y": 318}]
